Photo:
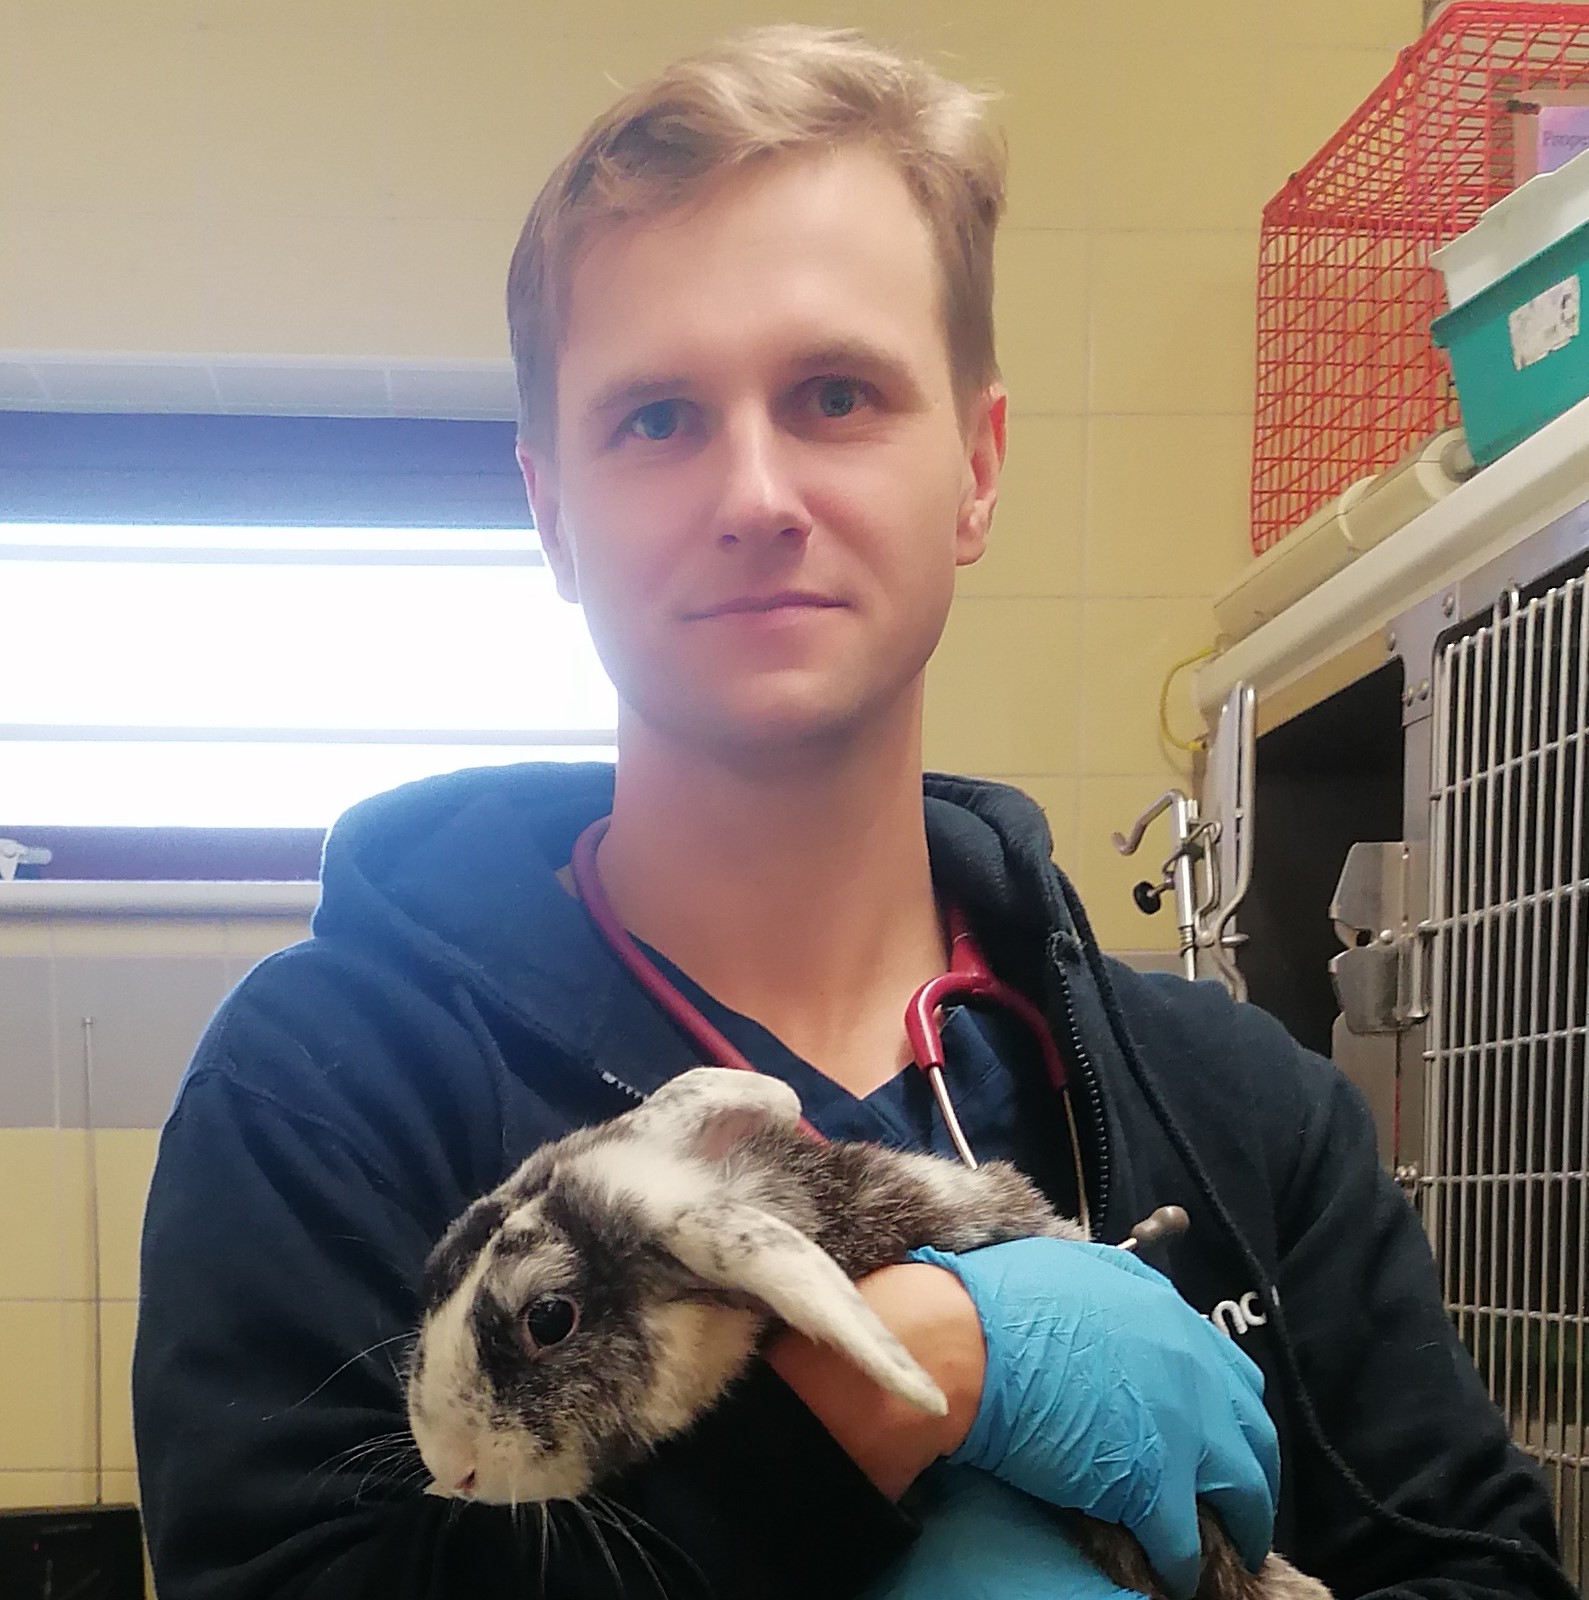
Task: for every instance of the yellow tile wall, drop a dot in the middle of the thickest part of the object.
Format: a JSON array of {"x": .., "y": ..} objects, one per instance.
[
  {"x": 48, "y": 1322},
  {"x": 346, "y": 177},
  {"x": 52, "y": 1309}
]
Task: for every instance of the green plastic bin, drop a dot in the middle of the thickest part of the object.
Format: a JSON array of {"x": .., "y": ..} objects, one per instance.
[{"x": 1518, "y": 351}]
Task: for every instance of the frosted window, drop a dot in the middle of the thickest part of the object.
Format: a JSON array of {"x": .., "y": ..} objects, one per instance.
[{"x": 271, "y": 676}]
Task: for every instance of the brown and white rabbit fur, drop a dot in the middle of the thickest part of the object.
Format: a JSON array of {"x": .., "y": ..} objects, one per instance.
[{"x": 613, "y": 1287}]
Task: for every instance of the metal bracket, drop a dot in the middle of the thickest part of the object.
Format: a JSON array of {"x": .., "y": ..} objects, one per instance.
[
  {"x": 1210, "y": 864},
  {"x": 1229, "y": 786},
  {"x": 1189, "y": 836},
  {"x": 1382, "y": 977}
]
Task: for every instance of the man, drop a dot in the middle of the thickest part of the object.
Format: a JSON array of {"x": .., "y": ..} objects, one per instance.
[{"x": 761, "y": 427}]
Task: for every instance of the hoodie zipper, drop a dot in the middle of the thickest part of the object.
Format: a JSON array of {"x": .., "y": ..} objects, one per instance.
[
  {"x": 464, "y": 1002},
  {"x": 1078, "y": 1060},
  {"x": 616, "y": 1082}
]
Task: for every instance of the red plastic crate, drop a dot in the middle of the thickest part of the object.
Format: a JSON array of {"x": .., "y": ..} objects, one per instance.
[{"x": 1348, "y": 378}]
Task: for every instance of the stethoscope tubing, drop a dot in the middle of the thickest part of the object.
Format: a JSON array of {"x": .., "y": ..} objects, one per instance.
[
  {"x": 720, "y": 1051},
  {"x": 968, "y": 978}
]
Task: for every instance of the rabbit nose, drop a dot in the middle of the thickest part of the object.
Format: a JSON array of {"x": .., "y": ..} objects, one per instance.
[{"x": 465, "y": 1485}]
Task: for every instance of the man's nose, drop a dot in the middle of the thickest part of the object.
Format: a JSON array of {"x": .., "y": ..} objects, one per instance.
[{"x": 759, "y": 499}]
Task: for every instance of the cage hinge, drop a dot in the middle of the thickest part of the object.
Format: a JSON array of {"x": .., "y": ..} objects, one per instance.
[{"x": 1382, "y": 976}]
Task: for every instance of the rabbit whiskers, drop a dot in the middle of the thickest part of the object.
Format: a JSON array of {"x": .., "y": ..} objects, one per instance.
[
  {"x": 613, "y": 1514},
  {"x": 411, "y": 1338},
  {"x": 387, "y": 1458}
]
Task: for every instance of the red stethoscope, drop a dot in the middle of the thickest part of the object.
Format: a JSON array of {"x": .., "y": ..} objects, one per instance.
[{"x": 969, "y": 978}]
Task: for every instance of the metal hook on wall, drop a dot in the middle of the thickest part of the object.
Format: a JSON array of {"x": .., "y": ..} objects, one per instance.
[
  {"x": 1210, "y": 861},
  {"x": 1178, "y": 875}
]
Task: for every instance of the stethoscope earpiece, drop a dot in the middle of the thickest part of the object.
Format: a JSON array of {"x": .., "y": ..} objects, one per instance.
[{"x": 1168, "y": 1222}]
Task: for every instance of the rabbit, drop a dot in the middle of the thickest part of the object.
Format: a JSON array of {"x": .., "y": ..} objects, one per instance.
[{"x": 612, "y": 1288}]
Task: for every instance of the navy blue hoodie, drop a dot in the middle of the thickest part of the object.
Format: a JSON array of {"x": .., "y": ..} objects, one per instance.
[{"x": 454, "y": 1009}]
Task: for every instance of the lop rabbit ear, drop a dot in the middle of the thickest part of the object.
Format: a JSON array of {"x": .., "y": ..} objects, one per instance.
[
  {"x": 748, "y": 1251},
  {"x": 706, "y": 1111}
]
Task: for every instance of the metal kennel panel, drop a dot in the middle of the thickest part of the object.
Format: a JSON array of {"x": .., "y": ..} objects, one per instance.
[{"x": 1503, "y": 1183}]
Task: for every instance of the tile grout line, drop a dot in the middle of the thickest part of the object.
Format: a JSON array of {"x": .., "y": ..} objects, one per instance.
[
  {"x": 97, "y": 1375},
  {"x": 67, "y": 1300}
]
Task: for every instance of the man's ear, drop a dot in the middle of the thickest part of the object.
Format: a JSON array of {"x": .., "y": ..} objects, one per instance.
[
  {"x": 985, "y": 441},
  {"x": 540, "y": 484}
]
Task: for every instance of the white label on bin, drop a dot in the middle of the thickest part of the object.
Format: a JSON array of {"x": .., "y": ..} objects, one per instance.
[{"x": 1545, "y": 323}]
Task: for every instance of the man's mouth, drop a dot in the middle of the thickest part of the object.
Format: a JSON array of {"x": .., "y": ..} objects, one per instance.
[{"x": 783, "y": 600}]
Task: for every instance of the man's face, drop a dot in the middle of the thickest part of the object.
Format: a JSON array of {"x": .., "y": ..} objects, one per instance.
[{"x": 762, "y": 487}]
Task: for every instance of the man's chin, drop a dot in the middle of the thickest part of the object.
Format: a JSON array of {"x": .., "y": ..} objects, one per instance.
[{"x": 766, "y": 737}]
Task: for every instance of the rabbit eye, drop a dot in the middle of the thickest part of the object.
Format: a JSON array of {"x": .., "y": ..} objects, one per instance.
[{"x": 550, "y": 1320}]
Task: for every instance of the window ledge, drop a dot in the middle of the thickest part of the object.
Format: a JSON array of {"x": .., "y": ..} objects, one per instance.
[{"x": 138, "y": 898}]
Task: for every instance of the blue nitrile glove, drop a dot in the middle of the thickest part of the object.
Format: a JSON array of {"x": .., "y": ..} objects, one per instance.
[
  {"x": 982, "y": 1540},
  {"x": 1105, "y": 1391}
]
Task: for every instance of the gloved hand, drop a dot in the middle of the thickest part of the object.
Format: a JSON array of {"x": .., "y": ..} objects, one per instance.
[
  {"x": 1105, "y": 1391},
  {"x": 982, "y": 1540}
]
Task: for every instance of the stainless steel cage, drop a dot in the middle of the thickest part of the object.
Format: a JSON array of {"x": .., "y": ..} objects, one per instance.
[
  {"x": 1465, "y": 982},
  {"x": 1422, "y": 783},
  {"x": 1504, "y": 1177}
]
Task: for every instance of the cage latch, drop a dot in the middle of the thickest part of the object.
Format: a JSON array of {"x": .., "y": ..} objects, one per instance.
[
  {"x": 14, "y": 854},
  {"x": 1381, "y": 977}
]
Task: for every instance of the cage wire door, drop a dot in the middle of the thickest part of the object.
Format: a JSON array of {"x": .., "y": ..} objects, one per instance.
[{"x": 1504, "y": 1186}]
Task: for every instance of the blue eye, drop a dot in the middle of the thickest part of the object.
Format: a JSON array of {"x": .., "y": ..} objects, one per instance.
[
  {"x": 838, "y": 397},
  {"x": 657, "y": 422}
]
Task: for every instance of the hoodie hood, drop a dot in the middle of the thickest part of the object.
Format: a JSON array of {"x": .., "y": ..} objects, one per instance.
[{"x": 459, "y": 871}]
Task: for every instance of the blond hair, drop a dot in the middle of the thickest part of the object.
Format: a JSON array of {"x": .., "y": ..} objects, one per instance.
[{"x": 770, "y": 92}]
